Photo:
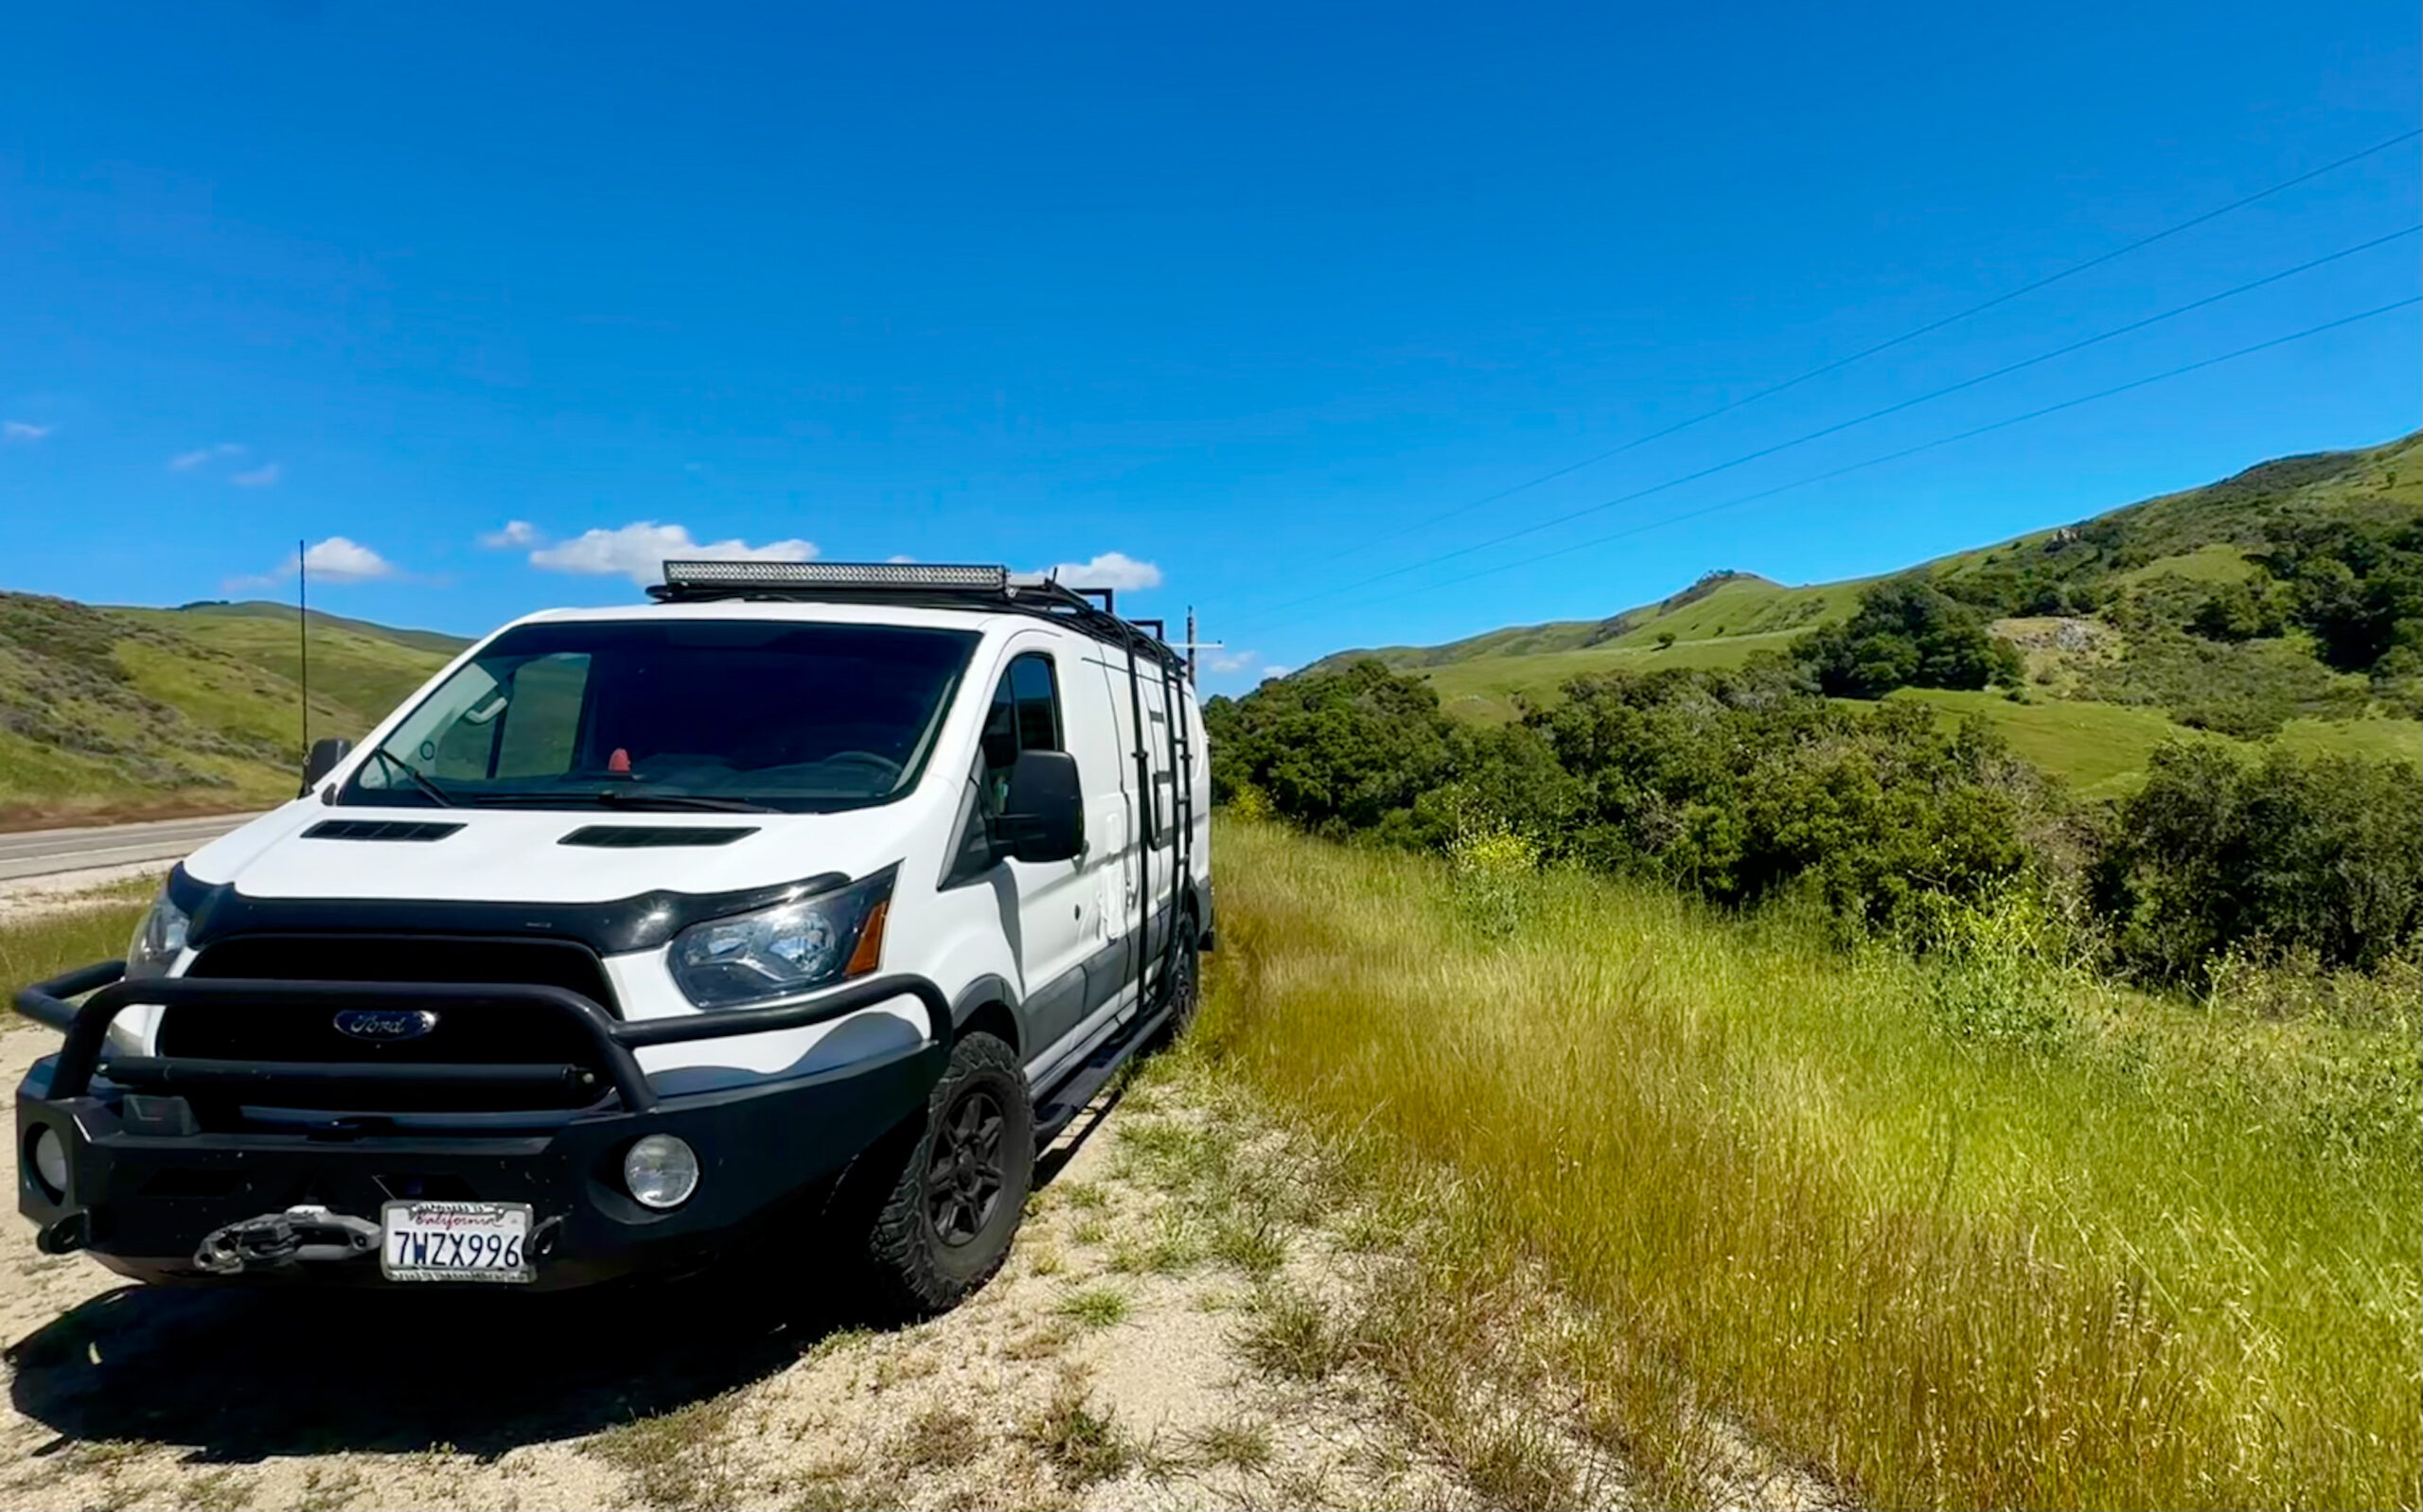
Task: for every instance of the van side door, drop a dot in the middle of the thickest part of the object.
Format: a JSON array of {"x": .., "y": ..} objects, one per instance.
[{"x": 1045, "y": 902}]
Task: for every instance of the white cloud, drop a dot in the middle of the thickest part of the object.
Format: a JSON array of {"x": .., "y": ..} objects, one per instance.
[
  {"x": 334, "y": 561},
  {"x": 1228, "y": 661},
  {"x": 339, "y": 560},
  {"x": 1268, "y": 673},
  {"x": 24, "y": 431},
  {"x": 902, "y": 556},
  {"x": 188, "y": 461},
  {"x": 260, "y": 477},
  {"x": 517, "y": 533},
  {"x": 1113, "y": 569},
  {"x": 639, "y": 550}
]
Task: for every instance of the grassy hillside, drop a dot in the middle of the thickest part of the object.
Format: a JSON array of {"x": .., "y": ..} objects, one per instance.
[
  {"x": 2094, "y": 710},
  {"x": 124, "y": 712}
]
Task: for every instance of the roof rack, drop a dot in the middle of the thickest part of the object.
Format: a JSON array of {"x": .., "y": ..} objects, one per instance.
[{"x": 924, "y": 585}]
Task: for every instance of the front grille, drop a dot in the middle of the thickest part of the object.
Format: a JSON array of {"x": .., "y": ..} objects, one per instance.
[{"x": 493, "y": 1034}]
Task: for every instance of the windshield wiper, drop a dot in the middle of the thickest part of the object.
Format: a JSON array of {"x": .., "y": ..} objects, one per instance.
[
  {"x": 620, "y": 797},
  {"x": 412, "y": 775},
  {"x": 642, "y": 798}
]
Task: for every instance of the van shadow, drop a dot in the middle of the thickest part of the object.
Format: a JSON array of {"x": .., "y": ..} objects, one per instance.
[
  {"x": 238, "y": 1376},
  {"x": 243, "y": 1375}
]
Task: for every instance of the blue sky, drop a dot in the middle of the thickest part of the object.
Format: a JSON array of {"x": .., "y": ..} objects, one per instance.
[{"x": 1246, "y": 295}]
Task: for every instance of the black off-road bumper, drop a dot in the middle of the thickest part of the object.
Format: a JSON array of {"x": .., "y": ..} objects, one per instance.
[{"x": 147, "y": 1183}]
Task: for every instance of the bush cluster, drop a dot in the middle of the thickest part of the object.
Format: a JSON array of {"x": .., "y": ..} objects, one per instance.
[
  {"x": 1732, "y": 785},
  {"x": 1908, "y": 633},
  {"x": 1737, "y": 786},
  {"x": 2357, "y": 589},
  {"x": 2317, "y": 856}
]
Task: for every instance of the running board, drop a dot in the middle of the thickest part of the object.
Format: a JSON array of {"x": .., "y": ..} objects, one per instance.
[{"x": 1071, "y": 1097}]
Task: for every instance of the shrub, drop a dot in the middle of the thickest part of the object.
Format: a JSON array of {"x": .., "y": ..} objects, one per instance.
[
  {"x": 2241, "y": 611},
  {"x": 2320, "y": 854},
  {"x": 1338, "y": 752},
  {"x": 1734, "y": 786},
  {"x": 1908, "y": 634},
  {"x": 2004, "y": 967},
  {"x": 2358, "y": 587},
  {"x": 1491, "y": 869}
]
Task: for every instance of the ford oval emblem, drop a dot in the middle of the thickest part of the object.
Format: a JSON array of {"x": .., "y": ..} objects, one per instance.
[{"x": 385, "y": 1026}]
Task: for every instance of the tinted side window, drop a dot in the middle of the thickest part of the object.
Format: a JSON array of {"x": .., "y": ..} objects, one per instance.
[
  {"x": 1024, "y": 716},
  {"x": 1038, "y": 703}
]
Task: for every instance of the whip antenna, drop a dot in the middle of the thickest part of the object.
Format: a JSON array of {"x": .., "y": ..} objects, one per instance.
[{"x": 303, "y": 639}]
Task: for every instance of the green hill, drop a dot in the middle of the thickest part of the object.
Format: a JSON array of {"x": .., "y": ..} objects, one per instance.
[
  {"x": 2101, "y": 610},
  {"x": 111, "y": 712}
]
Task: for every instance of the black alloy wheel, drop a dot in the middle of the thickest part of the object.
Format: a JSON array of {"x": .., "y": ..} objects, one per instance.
[
  {"x": 963, "y": 1178},
  {"x": 941, "y": 1196}
]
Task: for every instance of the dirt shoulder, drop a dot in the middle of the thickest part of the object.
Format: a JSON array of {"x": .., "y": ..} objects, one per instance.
[
  {"x": 1201, "y": 1312},
  {"x": 1125, "y": 1357},
  {"x": 25, "y": 899},
  {"x": 19, "y": 816}
]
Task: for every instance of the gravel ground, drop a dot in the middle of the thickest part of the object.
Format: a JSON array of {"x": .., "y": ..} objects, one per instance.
[{"x": 1104, "y": 1368}]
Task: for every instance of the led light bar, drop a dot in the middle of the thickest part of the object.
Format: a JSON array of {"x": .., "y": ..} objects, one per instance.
[{"x": 835, "y": 574}]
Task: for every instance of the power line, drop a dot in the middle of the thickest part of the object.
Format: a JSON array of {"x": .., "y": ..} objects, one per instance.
[
  {"x": 1862, "y": 419},
  {"x": 1861, "y": 356},
  {"x": 1892, "y": 456}
]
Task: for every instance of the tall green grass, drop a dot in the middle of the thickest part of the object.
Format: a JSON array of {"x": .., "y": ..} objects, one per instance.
[
  {"x": 2132, "y": 1257},
  {"x": 33, "y": 950}
]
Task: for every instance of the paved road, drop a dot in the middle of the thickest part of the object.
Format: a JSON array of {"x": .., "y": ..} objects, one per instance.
[{"x": 42, "y": 852}]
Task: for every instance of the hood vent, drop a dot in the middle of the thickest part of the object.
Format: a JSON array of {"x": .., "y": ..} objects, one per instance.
[
  {"x": 649, "y": 836},
  {"x": 378, "y": 830}
]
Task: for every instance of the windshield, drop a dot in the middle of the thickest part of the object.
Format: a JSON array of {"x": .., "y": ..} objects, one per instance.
[{"x": 711, "y": 714}]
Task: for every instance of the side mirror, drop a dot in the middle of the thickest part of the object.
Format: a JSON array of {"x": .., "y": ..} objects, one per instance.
[
  {"x": 324, "y": 758},
  {"x": 1043, "y": 818}
]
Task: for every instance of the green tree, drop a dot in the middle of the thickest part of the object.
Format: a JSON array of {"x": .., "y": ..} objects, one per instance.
[
  {"x": 1335, "y": 752},
  {"x": 2216, "y": 853},
  {"x": 1908, "y": 634},
  {"x": 2241, "y": 611},
  {"x": 2358, "y": 588}
]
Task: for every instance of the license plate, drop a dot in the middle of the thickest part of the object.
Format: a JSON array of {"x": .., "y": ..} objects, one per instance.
[{"x": 455, "y": 1242}]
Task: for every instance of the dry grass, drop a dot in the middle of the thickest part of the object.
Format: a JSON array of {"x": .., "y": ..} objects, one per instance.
[
  {"x": 1776, "y": 1196},
  {"x": 1094, "y": 1306},
  {"x": 1238, "y": 1443},
  {"x": 678, "y": 1458},
  {"x": 1289, "y": 1335},
  {"x": 1081, "y": 1445}
]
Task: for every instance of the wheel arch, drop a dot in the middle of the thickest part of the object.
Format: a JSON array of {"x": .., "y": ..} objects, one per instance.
[{"x": 984, "y": 1005}]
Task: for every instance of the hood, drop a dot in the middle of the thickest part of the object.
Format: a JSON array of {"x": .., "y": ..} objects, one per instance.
[{"x": 518, "y": 855}]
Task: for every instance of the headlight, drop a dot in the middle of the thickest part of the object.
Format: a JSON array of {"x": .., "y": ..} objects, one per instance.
[
  {"x": 787, "y": 949},
  {"x": 50, "y": 1159},
  {"x": 661, "y": 1171},
  {"x": 159, "y": 940}
]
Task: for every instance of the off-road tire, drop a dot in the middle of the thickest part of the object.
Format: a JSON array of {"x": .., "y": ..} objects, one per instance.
[
  {"x": 912, "y": 1266},
  {"x": 1184, "y": 992}
]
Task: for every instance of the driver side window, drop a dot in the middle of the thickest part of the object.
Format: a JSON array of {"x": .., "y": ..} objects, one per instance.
[{"x": 1024, "y": 716}]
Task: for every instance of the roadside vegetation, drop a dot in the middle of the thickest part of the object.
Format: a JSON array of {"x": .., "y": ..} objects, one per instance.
[
  {"x": 1973, "y": 1140},
  {"x": 33, "y": 950},
  {"x": 1973, "y": 1225},
  {"x": 125, "y": 713},
  {"x": 1748, "y": 788}
]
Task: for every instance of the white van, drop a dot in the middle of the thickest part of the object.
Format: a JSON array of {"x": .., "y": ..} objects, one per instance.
[{"x": 816, "y": 891}]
